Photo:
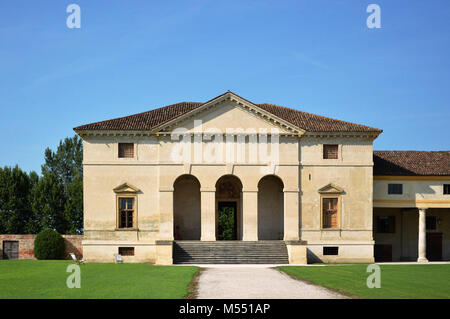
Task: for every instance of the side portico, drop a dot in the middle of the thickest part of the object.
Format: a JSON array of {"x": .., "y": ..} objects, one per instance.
[{"x": 412, "y": 206}]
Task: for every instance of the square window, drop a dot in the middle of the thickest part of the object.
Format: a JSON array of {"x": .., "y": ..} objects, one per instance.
[
  {"x": 330, "y": 251},
  {"x": 126, "y": 150},
  {"x": 446, "y": 189},
  {"x": 395, "y": 189},
  {"x": 126, "y": 251},
  {"x": 330, "y": 151},
  {"x": 386, "y": 224}
]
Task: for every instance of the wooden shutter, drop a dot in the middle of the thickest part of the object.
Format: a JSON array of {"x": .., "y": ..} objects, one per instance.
[
  {"x": 330, "y": 151},
  {"x": 330, "y": 212},
  {"x": 126, "y": 150}
]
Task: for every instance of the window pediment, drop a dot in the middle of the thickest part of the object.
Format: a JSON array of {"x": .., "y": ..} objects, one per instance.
[
  {"x": 126, "y": 188},
  {"x": 331, "y": 189}
]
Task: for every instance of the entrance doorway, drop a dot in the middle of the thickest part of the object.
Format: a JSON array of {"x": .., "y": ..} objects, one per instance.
[
  {"x": 434, "y": 246},
  {"x": 228, "y": 208},
  {"x": 10, "y": 250},
  {"x": 227, "y": 221}
]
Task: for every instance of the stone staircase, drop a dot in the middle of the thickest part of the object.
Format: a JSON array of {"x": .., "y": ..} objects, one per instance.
[{"x": 230, "y": 252}]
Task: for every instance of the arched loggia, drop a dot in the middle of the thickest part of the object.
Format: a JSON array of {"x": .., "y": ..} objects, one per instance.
[
  {"x": 187, "y": 208},
  {"x": 270, "y": 208}
]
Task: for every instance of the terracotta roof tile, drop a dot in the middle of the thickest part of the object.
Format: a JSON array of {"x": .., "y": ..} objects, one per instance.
[
  {"x": 151, "y": 119},
  {"x": 314, "y": 123},
  {"x": 411, "y": 163},
  {"x": 143, "y": 121}
]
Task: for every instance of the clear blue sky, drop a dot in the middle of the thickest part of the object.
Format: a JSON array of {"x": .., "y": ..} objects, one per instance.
[{"x": 133, "y": 56}]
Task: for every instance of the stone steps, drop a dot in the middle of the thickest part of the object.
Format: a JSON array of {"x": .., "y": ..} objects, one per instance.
[{"x": 230, "y": 252}]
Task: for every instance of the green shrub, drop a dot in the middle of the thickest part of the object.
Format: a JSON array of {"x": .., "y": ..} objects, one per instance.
[{"x": 49, "y": 244}]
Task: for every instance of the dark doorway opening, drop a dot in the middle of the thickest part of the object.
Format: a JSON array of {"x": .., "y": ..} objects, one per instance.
[
  {"x": 383, "y": 252},
  {"x": 434, "y": 246},
  {"x": 10, "y": 250},
  {"x": 227, "y": 221}
]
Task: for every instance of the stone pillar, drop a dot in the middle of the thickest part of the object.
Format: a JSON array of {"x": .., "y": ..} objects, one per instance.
[
  {"x": 422, "y": 236},
  {"x": 208, "y": 215},
  {"x": 164, "y": 252},
  {"x": 403, "y": 240},
  {"x": 250, "y": 215},
  {"x": 166, "y": 214},
  {"x": 291, "y": 215},
  {"x": 297, "y": 252}
]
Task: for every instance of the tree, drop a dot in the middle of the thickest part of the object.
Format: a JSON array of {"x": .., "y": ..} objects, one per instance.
[
  {"x": 30, "y": 203},
  {"x": 67, "y": 163},
  {"x": 15, "y": 208},
  {"x": 58, "y": 195},
  {"x": 48, "y": 200},
  {"x": 33, "y": 225}
]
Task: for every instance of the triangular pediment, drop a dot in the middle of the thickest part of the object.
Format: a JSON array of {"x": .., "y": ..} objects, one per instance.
[
  {"x": 229, "y": 111},
  {"x": 331, "y": 189},
  {"x": 126, "y": 188}
]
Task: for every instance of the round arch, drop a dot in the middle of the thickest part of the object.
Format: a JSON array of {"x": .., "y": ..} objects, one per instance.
[
  {"x": 229, "y": 208},
  {"x": 270, "y": 208},
  {"x": 186, "y": 208}
]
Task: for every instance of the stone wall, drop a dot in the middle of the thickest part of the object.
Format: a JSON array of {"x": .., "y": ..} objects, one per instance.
[{"x": 26, "y": 245}]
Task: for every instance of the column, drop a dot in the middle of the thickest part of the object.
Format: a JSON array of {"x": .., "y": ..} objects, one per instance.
[
  {"x": 291, "y": 215},
  {"x": 208, "y": 215},
  {"x": 403, "y": 236},
  {"x": 166, "y": 214},
  {"x": 250, "y": 215},
  {"x": 422, "y": 236}
]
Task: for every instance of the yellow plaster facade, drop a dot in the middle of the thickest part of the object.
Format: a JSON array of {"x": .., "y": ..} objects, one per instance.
[{"x": 305, "y": 179}]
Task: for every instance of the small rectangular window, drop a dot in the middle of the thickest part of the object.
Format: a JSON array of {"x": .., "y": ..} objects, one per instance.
[
  {"x": 446, "y": 189},
  {"x": 386, "y": 224},
  {"x": 330, "y": 212},
  {"x": 395, "y": 189},
  {"x": 126, "y": 251},
  {"x": 330, "y": 151},
  {"x": 126, "y": 150},
  {"x": 430, "y": 222},
  {"x": 330, "y": 251},
  {"x": 126, "y": 212}
]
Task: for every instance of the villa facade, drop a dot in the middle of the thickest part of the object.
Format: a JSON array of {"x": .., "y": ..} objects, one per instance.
[{"x": 230, "y": 170}]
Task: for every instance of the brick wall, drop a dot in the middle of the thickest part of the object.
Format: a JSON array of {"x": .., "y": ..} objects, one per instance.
[{"x": 26, "y": 245}]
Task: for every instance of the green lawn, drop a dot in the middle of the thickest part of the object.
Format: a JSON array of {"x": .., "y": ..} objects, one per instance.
[
  {"x": 397, "y": 281},
  {"x": 47, "y": 279}
]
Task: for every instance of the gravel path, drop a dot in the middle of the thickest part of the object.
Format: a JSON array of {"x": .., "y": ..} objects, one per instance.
[{"x": 253, "y": 282}]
